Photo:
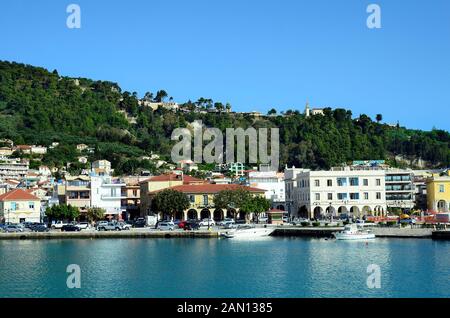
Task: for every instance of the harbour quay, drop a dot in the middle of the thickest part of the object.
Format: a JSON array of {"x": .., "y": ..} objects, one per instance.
[
  {"x": 441, "y": 235},
  {"x": 107, "y": 235}
]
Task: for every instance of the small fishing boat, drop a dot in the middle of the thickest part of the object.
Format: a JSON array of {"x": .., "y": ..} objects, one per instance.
[
  {"x": 352, "y": 232},
  {"x": 247, "y": 232}
]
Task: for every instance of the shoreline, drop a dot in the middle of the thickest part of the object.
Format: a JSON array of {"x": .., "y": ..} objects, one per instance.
[{"x": 313, "y": 232}]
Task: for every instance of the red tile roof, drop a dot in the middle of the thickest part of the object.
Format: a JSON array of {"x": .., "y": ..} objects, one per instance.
[
  {"x": 18, "y": 195},
  {"x": 174, "y": 177},
  {"x": 211, "y": 188}
]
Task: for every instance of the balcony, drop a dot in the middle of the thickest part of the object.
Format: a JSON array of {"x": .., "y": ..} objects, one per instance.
[{"x": 111, "y": 197}]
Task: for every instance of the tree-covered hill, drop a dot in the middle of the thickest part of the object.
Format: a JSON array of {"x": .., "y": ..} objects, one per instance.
[{"x": 40, "y": 107}]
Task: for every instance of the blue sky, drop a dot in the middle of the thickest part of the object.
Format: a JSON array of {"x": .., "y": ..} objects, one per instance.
[{"x": 255, "y": 54}]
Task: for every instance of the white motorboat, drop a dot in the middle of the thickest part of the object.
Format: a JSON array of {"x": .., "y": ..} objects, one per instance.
[
  {"x": 352, "y": 232},
  {"x": 247, "y": 232}
]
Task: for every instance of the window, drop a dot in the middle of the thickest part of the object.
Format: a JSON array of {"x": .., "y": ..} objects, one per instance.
[
  {"x": 13, "y": 206},
  {"x": 192, "y": 198},
  {"x": 378, "y": 195},
  {"x": 317, "y": 196},
  {"x": 330, "y": 196},
  {"x": 329, "y": 182},
  {"x": 366, "y": 195},
  {"x": 205, "y": 199},
  {"x": 354, "y": 196},
  {"x": 342, "y": 182},
  {"x": 342, "y": 196},
  {"x": 354, "y": 182},
  {"x": 365, "y": 182},
  {"x": 31, "y": 205},
  {"x": 441, "y": 188},
  {"x": 317, "y": 183},
  {"x": 378, "y": 182},
  {"x": 135, "y": 193}
]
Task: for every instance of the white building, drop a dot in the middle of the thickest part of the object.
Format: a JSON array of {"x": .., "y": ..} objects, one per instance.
[
  {"x": 354, "y": 193},
  {"x": 273, "y": 183},
  {"x": 101, "y": 167},
  {"x": 290, "y": 186},
  {"x": 106, "y": 193}
]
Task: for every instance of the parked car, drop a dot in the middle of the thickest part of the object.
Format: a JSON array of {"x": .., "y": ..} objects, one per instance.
[
  {"x": 58, "y": 225},
  {"x": 192, "y": 225},
  {"x": 165, "y": 226},
  {"x": 124, "y": 226},
  {"x": 70, "y": 228},
  {"x": 110, "y": 226},
  {"x": 83, "y": 225},
  {"x": 207, "y": 222},
  {"x": 225, "y": 221},
  {"x": 182, "y": 224},
  {"x": 228, "y": 223},
  {"x": 39, "y": 228},
  {"x": 13, "y": 228},
  {"x": 139, "y": 223},
  {"x": 263, "y": 219}
]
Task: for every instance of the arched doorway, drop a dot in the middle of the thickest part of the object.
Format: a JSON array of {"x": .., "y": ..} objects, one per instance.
[
  {"x": 442, "y": 206},
  {"x": 218, "y": 215},
  {"x": 231, "y": 213},
  {"x": 330, "y": 212},
  {"x": 354, "y": 210},
  {"x": 366, "y": 211},
  {"x": 342, "y": 210},
  {"x": 318, "y": 212},
  {"x": 179, "y": 216},
  {"x": 303, "y": 212},
  {"x": 205, "y": 214},
  {"x": 192, "y": 214}
]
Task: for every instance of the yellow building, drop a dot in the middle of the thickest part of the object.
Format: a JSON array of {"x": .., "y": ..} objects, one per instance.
[
  {"x": 201, "y": 198},
  {"x": 161, "y": 182},
  {"x": 438, "y": 193},
  {"x": 18, "y": 206}
]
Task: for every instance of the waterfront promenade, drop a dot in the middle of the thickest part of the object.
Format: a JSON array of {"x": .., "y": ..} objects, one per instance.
[{"x": 281, "y": 231}]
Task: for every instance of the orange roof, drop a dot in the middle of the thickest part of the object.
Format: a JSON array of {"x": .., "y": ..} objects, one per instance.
[
  {"x": 18, "y": 195},
  {"x": 174, "y": 177},
  {"x": 210, "y": 188}
]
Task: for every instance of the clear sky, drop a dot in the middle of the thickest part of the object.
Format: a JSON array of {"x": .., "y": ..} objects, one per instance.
[{"x": 255, "y": 54}]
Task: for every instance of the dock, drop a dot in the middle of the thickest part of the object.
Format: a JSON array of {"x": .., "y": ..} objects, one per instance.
[
  {"x": 441, "y": 235},
  {"x": 108, "y": 235}
]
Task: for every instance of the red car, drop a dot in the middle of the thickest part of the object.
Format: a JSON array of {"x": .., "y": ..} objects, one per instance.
[{"x": 182, "y": 224}]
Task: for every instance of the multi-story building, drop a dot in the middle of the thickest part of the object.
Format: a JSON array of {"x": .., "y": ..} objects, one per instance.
[
  {"x": 201, "y": 198},
  {"x": 290, "y": 184},
  {"x": 354, "y": 193},
  {"x": 19, "y": 206},
  {"x": 273, "y": 183},
  {"x": 161, "y": 182},
  {"x": 438, "y": 192},
  {"x": 76, "y": 191},
  {"x": 101, "y": 168},
  {"x": 13, "y": 169},
  {"x": 106, "y": 193},
  {"x": 400, "y": 189},
  {"x": 131, "y": 193}
]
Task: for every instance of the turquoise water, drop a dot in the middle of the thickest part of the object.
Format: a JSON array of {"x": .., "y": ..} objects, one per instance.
[{"x": 272, "y": 267}]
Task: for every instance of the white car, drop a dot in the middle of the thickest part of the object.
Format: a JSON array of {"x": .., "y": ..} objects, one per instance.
[
  {"x": 82, "y": 225},
  {"x": 206, "y": 222},
  {"x": 166, "y": 226},
  {"x": 58, "y": 225},
  {"x": 225, "y": 222}
]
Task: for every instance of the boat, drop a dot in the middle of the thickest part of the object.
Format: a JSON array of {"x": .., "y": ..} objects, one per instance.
[
  {"x": 247, "y": 232},
  {"x": 352, "y": 232}
]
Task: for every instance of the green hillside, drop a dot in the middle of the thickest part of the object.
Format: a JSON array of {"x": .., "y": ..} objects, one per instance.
[{"x": 40, "y": 107}]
